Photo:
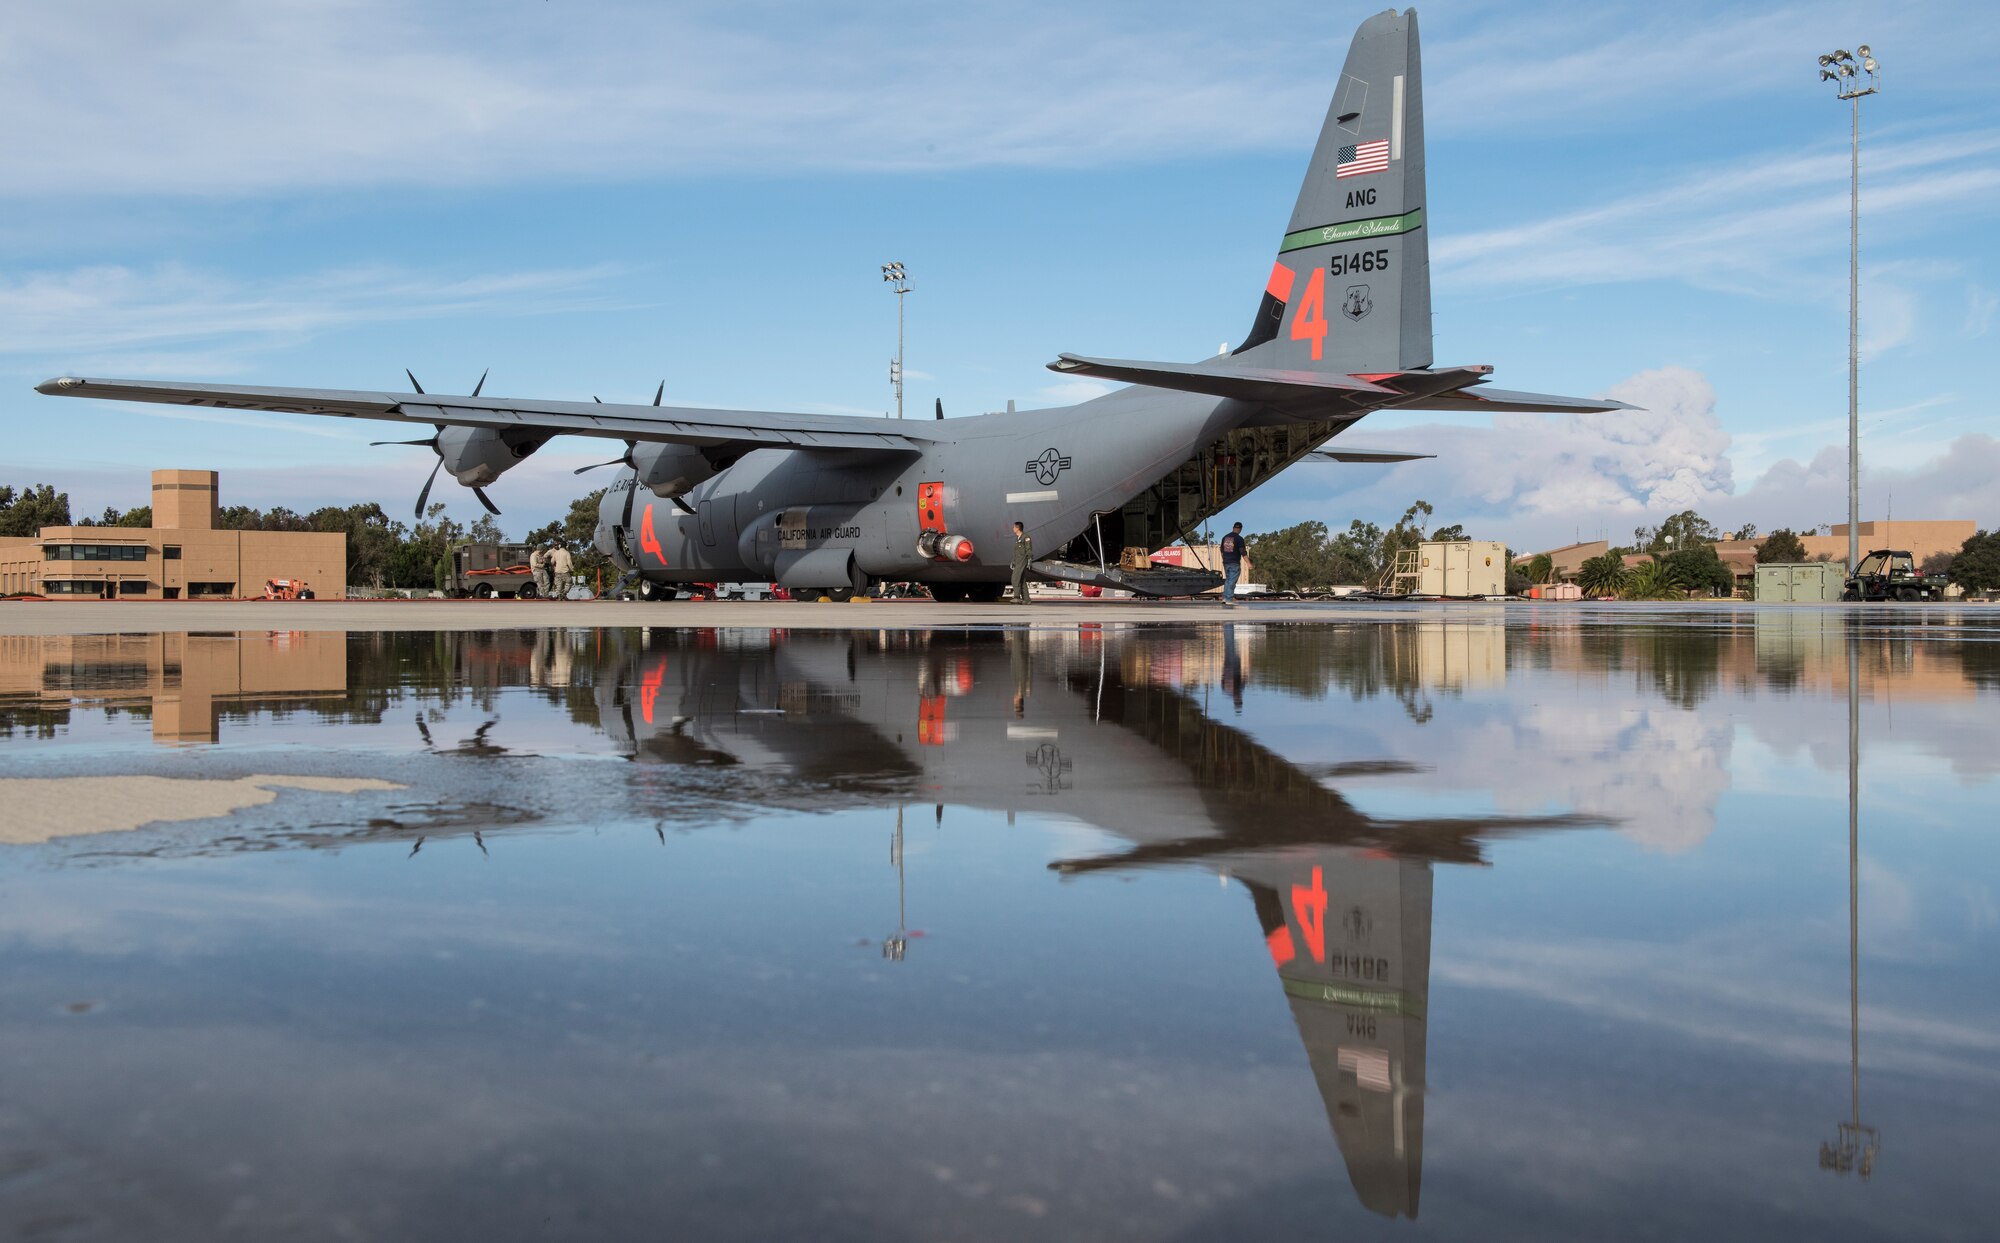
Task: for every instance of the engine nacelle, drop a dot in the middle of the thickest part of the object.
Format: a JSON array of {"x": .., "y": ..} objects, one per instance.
[
  {"x": 668, "y": 470},
  {"x": 476, "y": 456},
  {"x": 941, "y": 546}
]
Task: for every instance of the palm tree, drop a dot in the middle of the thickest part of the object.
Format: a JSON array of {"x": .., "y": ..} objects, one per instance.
[
  {"x": 1650, "y": 580},
  {"x": 1602, "y": 575},
  {"x": 1540, "y": 568}
]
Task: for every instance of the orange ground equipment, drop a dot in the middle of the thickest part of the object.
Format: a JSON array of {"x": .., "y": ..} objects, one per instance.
[{"x": 287, "y": 589}]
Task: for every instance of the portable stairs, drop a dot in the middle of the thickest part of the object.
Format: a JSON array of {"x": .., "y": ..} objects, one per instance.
[{"x": 1400, "y": 579}]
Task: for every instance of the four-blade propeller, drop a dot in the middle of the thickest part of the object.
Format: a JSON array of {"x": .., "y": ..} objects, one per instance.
[
  {"x": 625, "y": 458},
  {"x": 431, "y": 442}
]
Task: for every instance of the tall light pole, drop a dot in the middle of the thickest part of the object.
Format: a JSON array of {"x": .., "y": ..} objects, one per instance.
[
  {"x": 899, "y": 280},
  {"x": 1851, "y": 80}
]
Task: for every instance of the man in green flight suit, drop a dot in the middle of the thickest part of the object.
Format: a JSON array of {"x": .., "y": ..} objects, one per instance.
[{"x": 1024, "y": 552}]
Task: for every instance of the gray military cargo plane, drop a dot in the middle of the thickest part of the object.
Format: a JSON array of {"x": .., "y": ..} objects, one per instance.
[{"x": 832, "y": 502}]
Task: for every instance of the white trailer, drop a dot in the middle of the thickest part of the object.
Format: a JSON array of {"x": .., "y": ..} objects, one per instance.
[{"x": 1462, "y": 568}]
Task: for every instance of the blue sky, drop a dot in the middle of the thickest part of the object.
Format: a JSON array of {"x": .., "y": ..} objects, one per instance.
[{"x": 591, "y": 197}]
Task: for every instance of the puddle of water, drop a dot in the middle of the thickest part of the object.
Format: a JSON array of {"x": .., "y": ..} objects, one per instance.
[{"x": 1472, "y": 928}]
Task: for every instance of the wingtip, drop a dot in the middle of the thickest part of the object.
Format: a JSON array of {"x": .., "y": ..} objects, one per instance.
[{"x": 59, "y": 385}]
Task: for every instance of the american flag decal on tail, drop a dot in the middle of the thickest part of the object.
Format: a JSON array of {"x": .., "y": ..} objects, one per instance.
[{"x": 1362, "y": 158}]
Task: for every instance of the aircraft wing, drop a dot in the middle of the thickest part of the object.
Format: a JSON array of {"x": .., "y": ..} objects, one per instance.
[{"x": 669, "y": 424}]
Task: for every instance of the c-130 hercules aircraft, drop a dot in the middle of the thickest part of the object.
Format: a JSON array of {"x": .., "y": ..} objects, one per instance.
[{"x": 833, "y": 502}]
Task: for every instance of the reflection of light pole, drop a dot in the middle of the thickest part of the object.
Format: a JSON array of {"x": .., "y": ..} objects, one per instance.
[
  {"x": 899, "y": 280},
  {"x": 893, "y": 947},
  {"x": 1853, "y": 1140},
  {"x": 1841, "y": 69}
]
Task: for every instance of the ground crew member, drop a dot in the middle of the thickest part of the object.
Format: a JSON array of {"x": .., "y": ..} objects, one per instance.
[
  {"x": 561, "y": 570},
  {"x": 1024, "y": 552},
  {"x": 1232, "y": 564},
  {"x": 538, "y": 569}
]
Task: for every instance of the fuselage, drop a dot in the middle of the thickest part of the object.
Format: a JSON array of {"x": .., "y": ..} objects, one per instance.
[{"x": 775, "y": 515}]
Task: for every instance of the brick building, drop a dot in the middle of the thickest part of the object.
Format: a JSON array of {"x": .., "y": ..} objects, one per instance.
[{"x": 183, "y": 555}]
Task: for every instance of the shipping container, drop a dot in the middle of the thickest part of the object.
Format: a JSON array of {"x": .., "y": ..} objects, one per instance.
[
  {"x": 1790, "y": 582},
  {"x": 1462, "y": 568}
]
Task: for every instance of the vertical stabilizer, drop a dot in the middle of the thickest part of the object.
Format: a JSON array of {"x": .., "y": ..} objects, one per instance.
[{"x": 1350, "y": 291}]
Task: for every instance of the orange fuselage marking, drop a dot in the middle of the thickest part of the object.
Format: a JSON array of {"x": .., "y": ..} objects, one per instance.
[
  {"x": 649, "y": 541},
  {"x": 930, "y": 506}
]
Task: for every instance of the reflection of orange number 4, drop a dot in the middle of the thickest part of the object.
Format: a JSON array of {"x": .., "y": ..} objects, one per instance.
[
  {"x": 1309, "y": 323},
  {"x": 1310, "y": 907}
]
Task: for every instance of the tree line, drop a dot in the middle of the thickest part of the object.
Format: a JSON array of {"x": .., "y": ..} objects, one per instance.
[{"x": 1680, "y": 557}]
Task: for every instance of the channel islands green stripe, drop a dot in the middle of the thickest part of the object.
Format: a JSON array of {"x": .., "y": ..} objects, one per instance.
[
  {"x": 1353, "y": 230},
  {"x": 1348, "y": 995}
]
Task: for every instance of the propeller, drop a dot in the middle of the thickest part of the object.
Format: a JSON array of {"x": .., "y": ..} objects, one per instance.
[
  {"x": 431, "y": 442},
  {"x": 625, "y": 458}
]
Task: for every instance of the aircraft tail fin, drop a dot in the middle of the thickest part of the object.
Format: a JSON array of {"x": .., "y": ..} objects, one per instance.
[{"x": 1350, "y": 291}]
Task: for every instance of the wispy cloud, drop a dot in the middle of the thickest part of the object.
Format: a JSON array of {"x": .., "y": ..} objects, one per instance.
[
  {"x": 98, "y": 312},
  {"x": 240, "y": 96},
  {"x": 292, "y": 96},
  {"x": 1744, "y": 227}
]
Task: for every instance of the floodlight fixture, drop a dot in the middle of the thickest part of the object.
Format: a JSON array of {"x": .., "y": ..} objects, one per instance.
[{"x": 899, "y": 280}]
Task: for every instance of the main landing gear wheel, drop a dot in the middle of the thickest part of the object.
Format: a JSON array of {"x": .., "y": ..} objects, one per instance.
[{"x": 649, "y": 590}]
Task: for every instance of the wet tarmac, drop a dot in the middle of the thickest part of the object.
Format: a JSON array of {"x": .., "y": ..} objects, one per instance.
[{"x": 1483, "y": 922}]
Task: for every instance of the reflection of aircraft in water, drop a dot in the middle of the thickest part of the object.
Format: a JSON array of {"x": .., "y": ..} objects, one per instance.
[{"x": 987, "y": 720}]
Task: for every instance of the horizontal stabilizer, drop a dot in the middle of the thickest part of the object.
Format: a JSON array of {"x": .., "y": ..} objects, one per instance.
[
  {"x": 1365, "y": 455},
  {"x": 1252, "y": 384},
  {"x": 1505, "y": 401}
]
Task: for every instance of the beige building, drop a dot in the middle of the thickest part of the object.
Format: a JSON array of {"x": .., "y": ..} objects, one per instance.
[
  {"x": 182, "y": 556},
  {"x": 186, "y": 682},
  {"x": 1919, "y": 539},
  {"x": 1568, "y": 559}
]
